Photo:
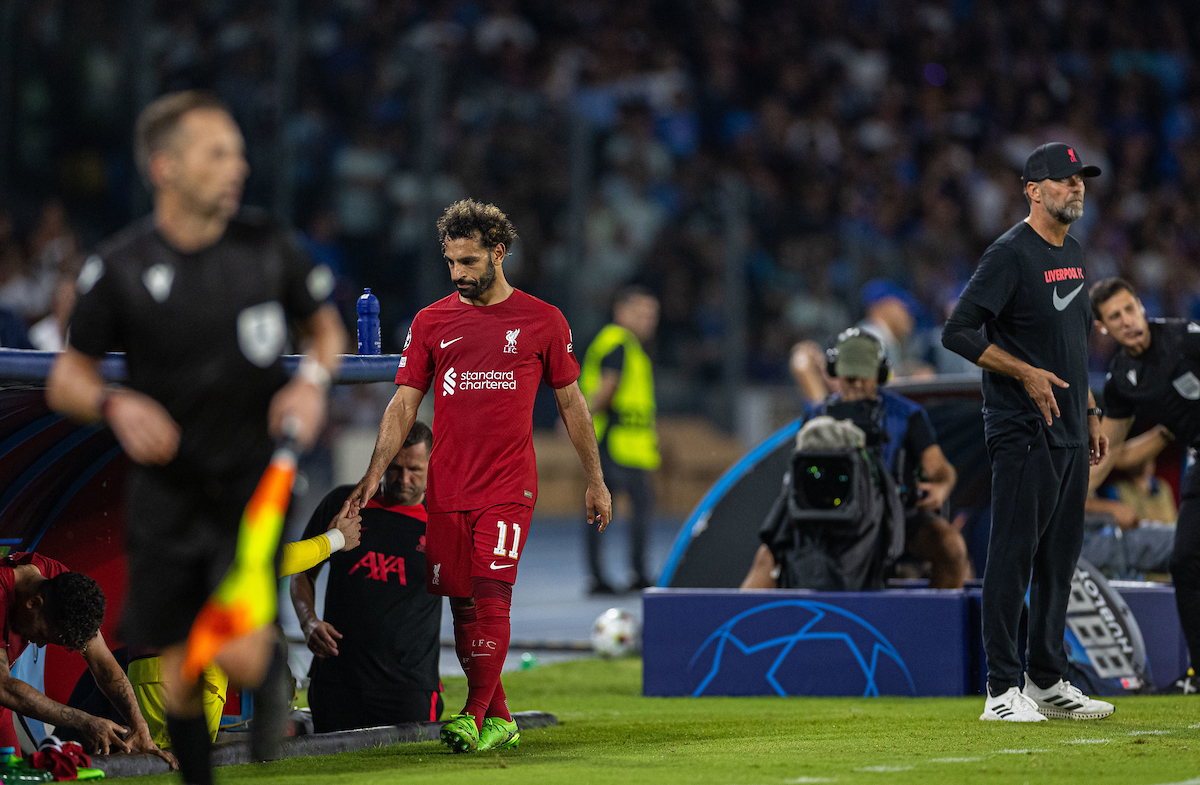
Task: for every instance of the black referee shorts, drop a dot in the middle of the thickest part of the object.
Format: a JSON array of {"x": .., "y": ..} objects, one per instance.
[
  {"x": 337, "y": 708},
  {"x": 180, "y": 541}
]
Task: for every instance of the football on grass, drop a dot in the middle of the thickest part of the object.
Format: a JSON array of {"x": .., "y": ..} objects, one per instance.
[{"x": 616, "y": 633}]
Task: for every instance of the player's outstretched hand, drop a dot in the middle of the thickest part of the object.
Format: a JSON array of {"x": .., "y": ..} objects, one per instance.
[
  {"x": 300, "y": 400},
  {"x": 322, "y": 639},
  {"x": 599, "y": 505},
  {"x": 143, "y": 427},
  {"x": 103, "y": 736},
  {"x": 366, "y": 489},
  {"x": 1040, "y": 385},
  {"x": 140, "y": 743},
  {"x": 349, "y": 524}
]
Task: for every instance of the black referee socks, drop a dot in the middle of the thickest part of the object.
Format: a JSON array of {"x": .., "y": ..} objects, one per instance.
[
  {"x": 192, "y": 748},
  {"x": 272, "y": 706}
]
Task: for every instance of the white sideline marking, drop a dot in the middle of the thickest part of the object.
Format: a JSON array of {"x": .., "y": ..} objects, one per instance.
[
  {"x": 1192, "y": 781},
  {"x": 1087, "y": 741},
  {"x": 806, "y": 780},
  {"x": 1149, "y": 732},
  {"x": 1196, "y": 725},
  {"x": 885, "y": 769},
  {"x": 1018, "y": 752},
  {"x": 955, "y": 760}
]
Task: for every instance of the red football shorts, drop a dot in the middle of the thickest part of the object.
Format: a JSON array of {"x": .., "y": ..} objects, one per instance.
[{"x": 485, "y": 543}]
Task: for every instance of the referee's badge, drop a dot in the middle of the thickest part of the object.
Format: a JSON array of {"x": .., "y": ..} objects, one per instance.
[
  {"x": 93, "y": 270},
  {"x": 158, "y": 280},
  {"x": 261, "y": 332},
  {"x": 1188, "y": 386}
]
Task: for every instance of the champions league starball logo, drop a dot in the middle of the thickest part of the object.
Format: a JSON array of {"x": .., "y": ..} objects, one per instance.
[{"x": 851, "y": 654}]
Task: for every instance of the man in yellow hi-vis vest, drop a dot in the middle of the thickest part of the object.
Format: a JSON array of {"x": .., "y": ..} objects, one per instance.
[{"x": 618, "y": 380}]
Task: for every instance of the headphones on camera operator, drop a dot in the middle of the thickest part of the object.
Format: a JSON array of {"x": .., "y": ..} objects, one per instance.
[
  {"x": 882, "y": 374},
  {"x": 866, "y": 415}
]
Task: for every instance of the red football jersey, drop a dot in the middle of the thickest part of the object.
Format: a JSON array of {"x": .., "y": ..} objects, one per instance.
[{"x": 483, "y": 364}]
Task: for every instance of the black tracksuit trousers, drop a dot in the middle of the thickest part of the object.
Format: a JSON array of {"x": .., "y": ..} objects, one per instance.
[
  {"x": 1038, "y": 492},
  {"x": 1185, "y": 563}
]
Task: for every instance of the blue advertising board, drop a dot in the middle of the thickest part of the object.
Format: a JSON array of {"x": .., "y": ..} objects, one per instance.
[{"x": 771, "y": 642}]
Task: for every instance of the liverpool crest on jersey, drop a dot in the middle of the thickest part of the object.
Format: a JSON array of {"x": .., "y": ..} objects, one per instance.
[{"x": 511, "y": 338}]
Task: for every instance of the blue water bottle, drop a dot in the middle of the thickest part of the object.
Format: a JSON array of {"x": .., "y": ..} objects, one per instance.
[{"x": 368, "y": 323}]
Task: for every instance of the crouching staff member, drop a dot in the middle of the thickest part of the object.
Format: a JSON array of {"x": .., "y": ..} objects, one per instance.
[
  {"x": 378, "y": 645},
  {"x": 1157, "y": 375}
]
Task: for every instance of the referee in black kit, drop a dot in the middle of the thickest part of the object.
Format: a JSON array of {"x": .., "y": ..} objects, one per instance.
[
  {"x": 200, "y": 299},
  {"x": 1157, "y": 375},
  {"x": 1039, "y": 417}
]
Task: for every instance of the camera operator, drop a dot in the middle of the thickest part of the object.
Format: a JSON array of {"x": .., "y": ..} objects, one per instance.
[{"x": 898, "y": 430}]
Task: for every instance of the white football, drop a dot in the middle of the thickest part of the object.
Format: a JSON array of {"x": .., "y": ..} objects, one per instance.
[{"x": 616, "y": 633}]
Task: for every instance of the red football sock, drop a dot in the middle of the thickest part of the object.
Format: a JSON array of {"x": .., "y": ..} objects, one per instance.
[
  {"x": 489, "y": 644},
  {"x": 465, "y": 620},
  {"x": 499, "y": 705}
]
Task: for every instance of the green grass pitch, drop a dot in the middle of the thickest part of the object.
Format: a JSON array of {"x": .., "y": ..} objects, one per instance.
[{"x": 611, "y": 734}]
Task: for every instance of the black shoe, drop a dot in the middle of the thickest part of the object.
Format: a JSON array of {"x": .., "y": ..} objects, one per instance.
[
  {"x": 1187, "y": 684},
  {"x": 601, "y": 587}
]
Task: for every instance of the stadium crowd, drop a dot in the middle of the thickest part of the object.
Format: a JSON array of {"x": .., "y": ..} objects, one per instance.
[{"x": 872, "y": 140}]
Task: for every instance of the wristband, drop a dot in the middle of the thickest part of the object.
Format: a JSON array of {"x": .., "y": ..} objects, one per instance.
[
  {"x": 337, "y": 540},
  {"x": 314, "y": 373},
  {"x": 1096, "y": 411}
]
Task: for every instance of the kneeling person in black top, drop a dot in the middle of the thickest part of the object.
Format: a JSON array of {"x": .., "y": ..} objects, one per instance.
[
  {"x": 377, "y": 648},
  {"x": 1157, "y": 375}
]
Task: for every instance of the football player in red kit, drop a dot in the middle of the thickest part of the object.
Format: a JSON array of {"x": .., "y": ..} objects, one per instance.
[{"x": 483, "y": 352}]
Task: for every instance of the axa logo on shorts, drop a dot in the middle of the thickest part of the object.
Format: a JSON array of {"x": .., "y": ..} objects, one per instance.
[{"x": 453, "y": 381}]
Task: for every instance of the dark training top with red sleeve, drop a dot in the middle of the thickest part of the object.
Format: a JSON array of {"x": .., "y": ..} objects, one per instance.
[{"x": 483, "y": 364}]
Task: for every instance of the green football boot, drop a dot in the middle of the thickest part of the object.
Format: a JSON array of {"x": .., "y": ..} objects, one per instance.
[
  {"x": 460, "y": 733},
  {"x": 498, "y": 734}
]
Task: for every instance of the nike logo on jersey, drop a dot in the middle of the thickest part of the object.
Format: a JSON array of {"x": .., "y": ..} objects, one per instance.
[
  {"x": 447, "y": 343},
  {"x": 495, "y": 566},
  {"x": 1060, "y": 303}
]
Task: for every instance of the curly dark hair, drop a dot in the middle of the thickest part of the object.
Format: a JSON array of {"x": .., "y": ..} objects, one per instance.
[
  {"x": 466, "y": 218},
  {"x": 74, "y": 607}
]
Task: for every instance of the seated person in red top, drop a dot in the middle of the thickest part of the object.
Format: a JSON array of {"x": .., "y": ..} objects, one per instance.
[
  {"x": 41, "y": 602},
  {"x": 378, "y": 645}
]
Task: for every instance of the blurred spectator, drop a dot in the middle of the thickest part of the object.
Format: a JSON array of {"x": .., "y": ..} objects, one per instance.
[
  {"x": 870, "y": 144},
  {"x": 891, "y": 317}
]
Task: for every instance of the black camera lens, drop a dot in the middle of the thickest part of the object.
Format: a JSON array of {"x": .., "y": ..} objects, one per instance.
[{"x": 822, "y": 483}]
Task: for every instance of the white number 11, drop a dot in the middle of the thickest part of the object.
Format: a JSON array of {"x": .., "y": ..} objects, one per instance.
[{"x": 503, "y": 538}]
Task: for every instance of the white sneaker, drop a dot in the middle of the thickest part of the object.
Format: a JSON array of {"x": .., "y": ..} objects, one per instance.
[
  {"x": 1011, "y": 706},
  {"x": 1066, "y": 701}
]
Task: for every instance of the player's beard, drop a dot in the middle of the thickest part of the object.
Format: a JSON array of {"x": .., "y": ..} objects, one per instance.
[
  {"x": 1068, "y": 212},
  {"x": 476, "y": 289}
]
